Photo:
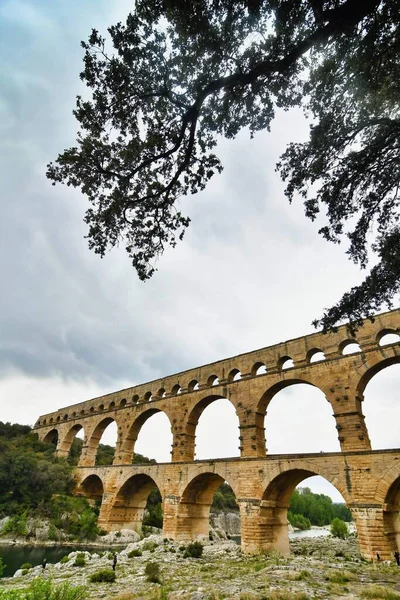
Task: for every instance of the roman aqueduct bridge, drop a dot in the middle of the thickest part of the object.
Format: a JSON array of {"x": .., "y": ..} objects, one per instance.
[{"x": 369, "y": 480}]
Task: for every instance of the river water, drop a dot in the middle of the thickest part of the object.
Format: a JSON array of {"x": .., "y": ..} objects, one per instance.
[{"x": 15, "y": 556}]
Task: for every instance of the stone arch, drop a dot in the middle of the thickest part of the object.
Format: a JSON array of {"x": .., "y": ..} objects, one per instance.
[
  {"x": 234, "y": 375},
  {"x": 377, "y": 401},
  {"x": 372, "y": 370},
  {"x": 315, "y": 355},
  {"x": 128, "y": 507},
  {"x": 391, "y": 516},
  {"x": 127, "y": 439},
  {"x": 192, "y": 421},
  {"x": 275, "y": 503},
  {"x": 194, "y": 506},
  {"x": 66, "y": 443},
  {"x": 349, "y": 343},
  {"x": 285, "y": 362},
  {"x": 385, "y": 332},
  {"x": 91, "y": 487},
  {"x": 88, "y": 457},
  {"x": 262, "y": 422},
  {"x": 51, "y": 437},
  {"x": 259, "y": 368}
]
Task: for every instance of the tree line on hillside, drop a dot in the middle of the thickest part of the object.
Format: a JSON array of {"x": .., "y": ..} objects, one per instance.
[{"x": 307, "y": 508}]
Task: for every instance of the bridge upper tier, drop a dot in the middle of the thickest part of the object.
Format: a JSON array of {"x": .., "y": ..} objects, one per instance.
[{"x": 235, "y": 370}]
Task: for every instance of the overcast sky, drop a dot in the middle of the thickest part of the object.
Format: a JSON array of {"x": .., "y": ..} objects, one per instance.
[{"x": 251, "y": 271}]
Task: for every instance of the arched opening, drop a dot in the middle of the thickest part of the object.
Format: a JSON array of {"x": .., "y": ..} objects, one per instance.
[
  {"x": 204, "y": 427},
  {"x": 149, "y": 437},
  {"x": 315, "y": 355},
  {"x": 71, "y": 445},
  {"x": 154, "y": 438},
  {"x": 381, "y": 407},
  {"x": 195, "y": 505},
  {"x": 285, "y": 363},
  {"x": 51, "y": 438},
  {"x": 234, "y": 375},
  {"x": 259, "y": 369},
  {"x": 277, "y": 498},
  {"x": 92, "y": 488},
  {"x": 193, "y": 385},
  {"x": 315, "y": 503},
  {"x": 391, "y": 516},
  {"x": 349, "y": 347},
  {"x": 213, "y": 380},
  {"x": 298, "y": 419},
  {"x": 224, "y": 514},
  {"x": 387, "y": 336},
  {"x": 131, "y": 503},
  {"x": 97, "y": 453}
]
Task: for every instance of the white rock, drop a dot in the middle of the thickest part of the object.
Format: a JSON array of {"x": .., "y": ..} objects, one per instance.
[{"x": 18, "y": 573}]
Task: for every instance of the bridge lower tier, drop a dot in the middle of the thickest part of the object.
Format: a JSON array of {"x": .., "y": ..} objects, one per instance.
[{"x": 369, "y": 482}]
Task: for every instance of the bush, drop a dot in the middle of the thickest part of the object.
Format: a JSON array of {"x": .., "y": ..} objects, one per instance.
[
  {"x": 149, "y": 546},
  {"x": 152, "y": 572},
  {"x": 26, "y": 566},
  {"x": 299, "y": 521},
  {"x": 194, "y": 550},
  {"x": 103, "y": 576},
  {"x": 80, "y": 560},
  {"x": 339, "y": 577},
  {"x": 65, "y": 559},
  {"x": 380, "y": 592},
  {"x": 134, "y": 553},
  {"x": 43, "y": 589},
  {"x": 339, "y": 528}
]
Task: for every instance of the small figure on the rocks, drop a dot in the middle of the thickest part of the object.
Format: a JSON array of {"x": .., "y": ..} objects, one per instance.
[
  {"x": 114, "y": 562},
  {"x": 378, "y": 557},
  {"x": 397, "y": 558},
  {"x": 44, "y": 563}
]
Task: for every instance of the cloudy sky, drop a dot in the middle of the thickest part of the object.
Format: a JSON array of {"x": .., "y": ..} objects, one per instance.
[{"x": 251, "y": 271}]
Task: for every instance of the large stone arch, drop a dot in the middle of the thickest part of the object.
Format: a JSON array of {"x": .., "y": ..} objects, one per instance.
[
  {"x": 275, "y": 500},
  {"x": 65, "y": 442},
  {"x": 51, "y": 437},
  {"x": 92, "y": 487},
  {"x": 128, "y": 506},
  {"x": 372, "y": 368},
  {"x": 193, "y": 511},
  {"x": 89, "y": 453},
  {"x": 184, "y": 441},
  {"x": 127, "y": 437},
  {"x": 264, "y": 401}
]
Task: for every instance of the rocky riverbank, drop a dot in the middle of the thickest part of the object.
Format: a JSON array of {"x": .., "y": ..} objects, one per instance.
[{"x": 319, "y": 568}]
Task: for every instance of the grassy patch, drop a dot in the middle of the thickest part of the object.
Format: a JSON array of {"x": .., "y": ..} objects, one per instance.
[
  {"x": 379, "y": 592},
  {"x": 340, "y": 577}
]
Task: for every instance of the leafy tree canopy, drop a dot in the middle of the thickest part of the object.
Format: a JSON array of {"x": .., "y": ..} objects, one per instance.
[{"x": 179, "y": 75}]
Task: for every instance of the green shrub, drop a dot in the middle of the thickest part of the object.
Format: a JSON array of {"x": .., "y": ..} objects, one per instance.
[
  {"x": 194, "y": 550},
  {"x": 17, "y": 525},
  {"x": 134, "y": 553},
  {"x": 103, "y": 576},
  {"x": 339, "y": 577},
  {"x": 299, "y": 521},
  {"x": 80, "y": 560},
  {"x": 65, "y": 559},
  {"x": 26, "y": 566},
  {"x": 149, "y": 546},
  {"x": 152, "y": 572},
  {"x": 339, "y": 528},
  {"x": 2, "y": 566},
  {"x": 52, "y": 535},
  {"x": 44, "y": 589},
  {"x": 380, "y": 592}
]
